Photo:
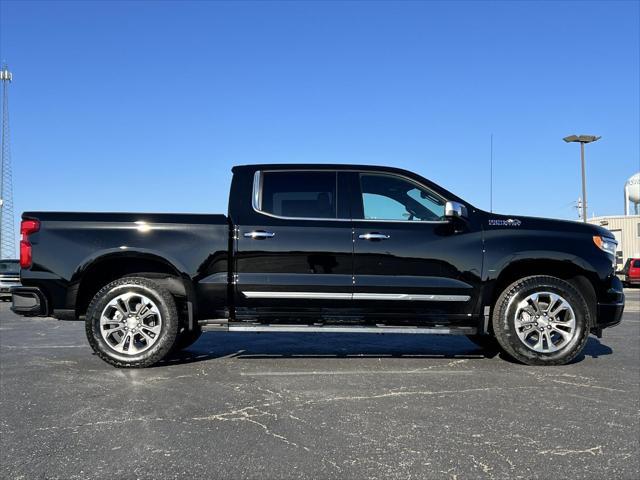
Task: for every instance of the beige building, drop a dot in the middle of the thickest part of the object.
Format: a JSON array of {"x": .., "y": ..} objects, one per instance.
[{"x": 626, "y": 229}]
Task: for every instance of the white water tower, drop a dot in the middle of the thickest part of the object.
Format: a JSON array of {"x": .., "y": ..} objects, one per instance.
[{"x": 632, "y": 194}]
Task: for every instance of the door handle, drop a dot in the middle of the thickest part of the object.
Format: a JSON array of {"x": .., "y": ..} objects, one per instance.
[
  {"x": 374, "y": 236},
  {"x": 259, "y": 235}
]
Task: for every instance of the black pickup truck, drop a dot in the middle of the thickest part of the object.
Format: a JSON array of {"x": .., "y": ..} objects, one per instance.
[{"x": 322, "y": 248}]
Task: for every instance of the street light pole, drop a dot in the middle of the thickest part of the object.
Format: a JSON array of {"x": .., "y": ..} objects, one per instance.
[
  {"x": 582, "y": 139},
  {"x": 584, "y": 184}
]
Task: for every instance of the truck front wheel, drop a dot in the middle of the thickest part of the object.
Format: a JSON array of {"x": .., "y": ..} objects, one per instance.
[
  {"x": 132, "y": 322},
  {"x": 541, "y": 320}
]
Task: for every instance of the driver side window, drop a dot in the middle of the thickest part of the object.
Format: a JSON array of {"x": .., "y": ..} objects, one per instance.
[{"x": 389, "y": 197}]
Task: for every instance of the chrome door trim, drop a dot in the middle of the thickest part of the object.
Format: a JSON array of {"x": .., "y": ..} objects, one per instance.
[
  {"x": 411, "y": 297},
  {"x": 305, "y": 295},
  {"x": 358, "y": 296},
  {"x": 257, "y": 191},
  {"x": 256, "y": 198},
  {"x": 406, "y": 222}
]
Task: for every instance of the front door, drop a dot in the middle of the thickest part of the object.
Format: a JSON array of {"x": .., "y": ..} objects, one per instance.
[
  {"x": 409, "y": 260},
  {"x": 295, "y": 257}
]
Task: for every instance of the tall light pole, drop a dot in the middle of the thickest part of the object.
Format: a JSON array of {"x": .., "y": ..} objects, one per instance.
[
  {"x": 7, "y": 236},
  {"x": 582, "y": 139}
]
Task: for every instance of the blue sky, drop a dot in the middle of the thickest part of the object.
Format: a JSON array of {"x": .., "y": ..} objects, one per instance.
[{"x": 146, "y": 106}]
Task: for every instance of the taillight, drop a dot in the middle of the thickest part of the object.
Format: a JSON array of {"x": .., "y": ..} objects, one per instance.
[
  {"x": 25, "y": 254},
  {"x": 27, "y": 227}
]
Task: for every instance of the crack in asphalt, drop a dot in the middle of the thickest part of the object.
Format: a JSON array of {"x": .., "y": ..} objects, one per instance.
[
  {"x": 562, "y": 451},
  {"x": 244, "y": 415}
]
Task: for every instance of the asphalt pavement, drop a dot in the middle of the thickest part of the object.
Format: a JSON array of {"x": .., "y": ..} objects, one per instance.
[{"x": 305, "y": 406}]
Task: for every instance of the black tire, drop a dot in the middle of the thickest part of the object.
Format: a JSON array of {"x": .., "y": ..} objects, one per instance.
[
  {"x": 169, "y": 327},
  {"x": 186, "y": 338},
  {"x": 485, "y": 342},
  {"x": 504, "y": 315}
]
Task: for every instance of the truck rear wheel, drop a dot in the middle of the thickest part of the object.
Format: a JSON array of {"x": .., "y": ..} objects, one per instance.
[
  {"x": 541, "y": 320},
  {"x": 132, "y": 322}
]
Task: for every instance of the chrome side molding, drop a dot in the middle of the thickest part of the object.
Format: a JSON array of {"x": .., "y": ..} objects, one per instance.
[
  {"x": 359, "y": 296},
  {"x": 304, "y": 295},
  {"x": 411, "y": 297}
]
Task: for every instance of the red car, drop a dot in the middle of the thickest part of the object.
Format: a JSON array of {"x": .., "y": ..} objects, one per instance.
[{"x": 631, "y": 272}]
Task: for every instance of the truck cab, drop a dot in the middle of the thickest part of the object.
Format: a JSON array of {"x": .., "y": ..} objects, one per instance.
[{"x": 369, "y": 245}]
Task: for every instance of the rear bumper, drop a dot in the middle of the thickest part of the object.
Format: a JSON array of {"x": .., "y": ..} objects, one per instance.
[
  {"x": 611, "y": 306},
  {"x": 6, "y": 287},
  {"x": 29, "y": 301}
]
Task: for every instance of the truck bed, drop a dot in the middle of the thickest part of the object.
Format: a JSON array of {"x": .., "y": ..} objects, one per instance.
[{"x": 75, "y": 244}]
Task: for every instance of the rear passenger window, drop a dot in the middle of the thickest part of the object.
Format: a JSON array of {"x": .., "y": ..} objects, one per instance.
[
  {"x": 299, "y": 194},
  {"x": 636, "y": 264}
]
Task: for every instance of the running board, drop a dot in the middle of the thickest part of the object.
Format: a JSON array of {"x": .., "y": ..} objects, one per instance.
[{"x": 381, "y": 329}]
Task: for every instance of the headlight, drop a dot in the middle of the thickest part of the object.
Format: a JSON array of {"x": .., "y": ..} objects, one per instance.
[{"x": 607, "y": 244}]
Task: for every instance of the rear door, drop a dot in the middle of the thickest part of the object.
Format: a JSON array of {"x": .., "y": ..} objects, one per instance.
[
  {"x": 294, "y": 255},
  {"x": 409, "y": 259}
]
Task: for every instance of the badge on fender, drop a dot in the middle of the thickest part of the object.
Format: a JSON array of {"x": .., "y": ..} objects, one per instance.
[{"x": 511, "y": 222}]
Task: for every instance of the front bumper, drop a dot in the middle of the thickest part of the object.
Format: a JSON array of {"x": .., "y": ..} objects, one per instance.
[
  {"x": 29, "y": 301},
  {"x": 611, "y": 306}
]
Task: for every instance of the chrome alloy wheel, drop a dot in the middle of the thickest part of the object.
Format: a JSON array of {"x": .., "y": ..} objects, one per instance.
[
  {"x": 130, "y": 323},
  {"x": 545, "y": 322}
]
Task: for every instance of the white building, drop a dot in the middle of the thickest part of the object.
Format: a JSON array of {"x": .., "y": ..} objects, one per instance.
[{"x": 626, "y": 229}]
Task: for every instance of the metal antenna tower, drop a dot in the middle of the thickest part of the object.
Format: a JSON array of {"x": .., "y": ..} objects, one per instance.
[{"x": 7, "y": 228}]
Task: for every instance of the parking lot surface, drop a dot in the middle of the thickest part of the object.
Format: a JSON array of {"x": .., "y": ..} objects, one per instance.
[{"x": 316, "y": 406}]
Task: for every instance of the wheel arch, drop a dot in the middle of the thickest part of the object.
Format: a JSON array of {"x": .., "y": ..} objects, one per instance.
[
  {"x": 581, "y": 278},
  {"x": 109, "y": 266}
]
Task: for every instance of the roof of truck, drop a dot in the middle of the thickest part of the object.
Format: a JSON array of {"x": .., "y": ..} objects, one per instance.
[{"x": 318, "y": 166}]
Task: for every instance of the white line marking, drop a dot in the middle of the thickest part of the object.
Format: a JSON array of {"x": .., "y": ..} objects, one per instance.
[
  {"x": 353, "y": 372},
  {"x": 42, "y": 346},
  {"x": 234, "y": 354}
]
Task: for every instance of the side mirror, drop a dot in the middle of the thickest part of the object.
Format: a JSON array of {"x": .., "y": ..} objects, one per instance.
[{"x": 455, "y": 210}]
